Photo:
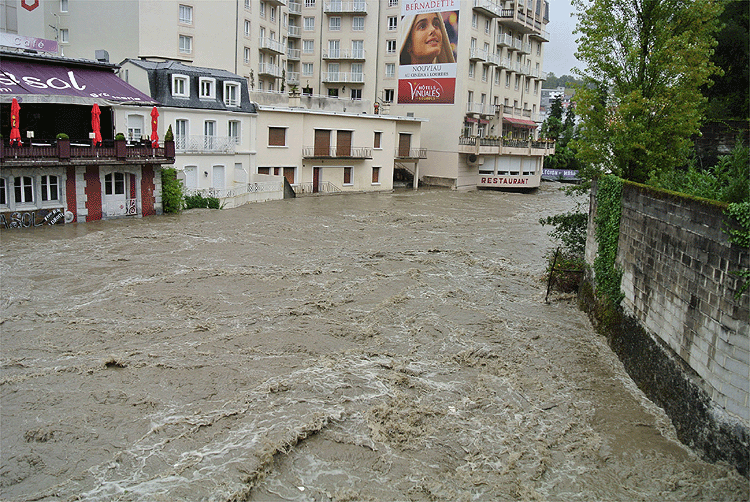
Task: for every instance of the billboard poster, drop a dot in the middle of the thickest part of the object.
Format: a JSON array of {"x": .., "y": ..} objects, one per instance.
[{"x": 428, "y": 34}]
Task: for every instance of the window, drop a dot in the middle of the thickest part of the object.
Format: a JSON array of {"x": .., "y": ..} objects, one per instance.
[
  {"x": 392, "y": 3},
  {"x": 376, "y": 176},
  {"x": 472, "y": 67},
  {"x": 507, "y": 79},
  {"x": 392, "y": 23},
  {"x": 539, "y": 49},
  {"x": 358, "y": 23},
  {"x": 526, "y": 86},
  {"x": 356, "y": 94},
  {"x": 64, "y": 36},
  {"x": 247, "y": 4},
  {"x": 307, "y": 69},
  {"x": 536, "y": 87},
  {"x": 180, "y": 86},
  {"x": 247, "y": 55},
  {"x": 309, "y": 3},
  {"x": 135, "y": 127},
  {"x": 186, "y": 14},
  {"x": 276, "y": 136},
  {"x": 390, "y": 70},
  {"x": 63, "y": 5},
  {"x": 264, "y": 170},
  {"x": 49, "y": 188},
  {"x": 24, "y": 189},
  {"x": 209, "y": 134},
  {"x": 207, "y": 87},
  {"x": 474, "y": 20},
  {"x": 308, "y": 46},
  {"x": 471, "y": 97},
  {"x": 377, "y": 139},
  {"x": 358, "y": 49},
  {"x": 262, "y": 10},
  {"x": 114, "y": 184},
  {"x": 357, "y": 69},
  {"x": 186, "y": 44},
  {"x": 347, "y": 176},
  {"x": 333, "y": 48},
  {"x": 180, "y": 133},
  {"x": 518, "y": 82},
  {"x": 497, "y": 77},
  {"x": 233, "y": 131},
  {"x": 388, "y": 95},
  {"x": 231, "y": 94},
  {"x": 247, "y": 28},
  {"x": 484, "y": 73},
  {"x": 390, "y": 46},
  {"x": 3, "y": 194},
  {"x": 334, "y": 23},
  {"x": 309, "y": 24},
  {"x": 273, "y": 14}
]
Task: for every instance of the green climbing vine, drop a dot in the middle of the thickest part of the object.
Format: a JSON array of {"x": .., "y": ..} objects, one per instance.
[
  {"x": 739, "y": 234},
  {"x": 608, "y": 211}
]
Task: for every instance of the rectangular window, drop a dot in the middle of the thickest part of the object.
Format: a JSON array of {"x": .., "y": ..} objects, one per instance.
[
  {"x": 487, "y": 26},
  {"x": 390, "y": 46},
  {"x": 207, "y": 87},
  {"x": 233, "y": 131},
  {"x": 497, "y": 77},
  {"x": 484, "y": 73},
  {"x": 309, "y": 3},
  {"x": 247, "y": 28},
  {"x": 474, "y": 20},
  {"x": 309, "y": 24},
  {"x": 507, "y": 79},
  {"x": 264, "y": 170},
  {"x": 307, "y": 69},
  {"x": 392, "y": 23},
  {"x": 539, "y": 49},
  {"x": 472, "y": 67},
  {"x": 180, "y": 133},
  {"x": 377, "y": 139},
  {"x": 375, "y": 175},
  {"x": 388, "y": 95},
  {"x": 231, "y": 94},
  {"x": 64, "y": 36},
  {"x": 518, "y": 82},
  {"x": 358, "y": 49},
  {"x": 308, "y": 46},
  {"x": 262, "y": 10},
  {"x": 247, "y": 54},
  {"x": 358, "y": 23},
  {"x": 273, "y": 14},
  {"x": 49, "y": 188},
  {"x": 334, "y": 24},
  {"x": 357, "y": 69},
  {"x": 333, "y": 48},
  {"x": 186, "y": 44},
  {"x": 24, "y": 188},
  {"x": 356, "y": 94},
  {"x": 390, "y": 70},
  {"x": 180, "y": 86},
  {"x": 392, "y": 3},
  {"x": 276, "y": 136},
  {"x": 3, "y": 193},
  {"x": 347, "y": 176},
  {"x": 63, "y": 5},
  {"x": 114, "y": 184},
  {"x": 247, "y": 4},
  {"x": 536, "y": 87},
  {"x": 186, "y": 14}
]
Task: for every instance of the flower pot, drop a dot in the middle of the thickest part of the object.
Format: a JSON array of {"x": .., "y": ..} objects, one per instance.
[
  {"x": 120, "y": 148},
  {"x": 169, "y": 149},
  {"x": 63, "y": 148}
]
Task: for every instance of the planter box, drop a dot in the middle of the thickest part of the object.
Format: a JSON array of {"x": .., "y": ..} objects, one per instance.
[
  {"x": 169, "y": 149},
  {"x": 120, "y": 148},
  {"x": 63, "y": 148}
]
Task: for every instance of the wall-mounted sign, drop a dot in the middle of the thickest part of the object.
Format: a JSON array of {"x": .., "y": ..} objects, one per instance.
[{"x": 31, "y": 43}]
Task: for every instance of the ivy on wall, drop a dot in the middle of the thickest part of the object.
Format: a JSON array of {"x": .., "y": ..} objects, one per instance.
[
  {"x": 740, "y": 235},
  {"x": 608, "y": 212}
]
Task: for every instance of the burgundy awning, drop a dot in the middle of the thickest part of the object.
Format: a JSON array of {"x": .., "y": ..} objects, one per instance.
[
  {"x": 520, "y": 122},
  {"x": 22, "y": 78}
]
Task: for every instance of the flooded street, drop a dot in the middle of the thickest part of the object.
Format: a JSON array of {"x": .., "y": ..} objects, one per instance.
[{"x": 361, "y": 347}]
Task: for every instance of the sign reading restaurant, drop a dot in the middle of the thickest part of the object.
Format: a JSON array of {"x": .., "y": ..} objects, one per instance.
[{"x": 428, "y": 34}]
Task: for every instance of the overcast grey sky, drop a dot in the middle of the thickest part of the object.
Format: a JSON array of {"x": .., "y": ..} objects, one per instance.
[{"x": 558, "y": 52}]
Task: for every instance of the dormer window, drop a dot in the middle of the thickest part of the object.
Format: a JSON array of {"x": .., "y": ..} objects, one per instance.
[
  {"x": 232, "y": 93},
  {"x": 207, "y": 88},
  {"x": 180, "y": 86}
]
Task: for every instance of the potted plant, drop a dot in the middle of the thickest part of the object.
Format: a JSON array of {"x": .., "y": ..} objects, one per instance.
[
  {"x": 169, "y": 143},
  {"x": 120, "y": 146},
  {"x": 63, "y": 146}
]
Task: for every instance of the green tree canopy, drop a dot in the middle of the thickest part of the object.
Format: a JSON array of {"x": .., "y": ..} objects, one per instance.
[{"x": 646, "y": 61}]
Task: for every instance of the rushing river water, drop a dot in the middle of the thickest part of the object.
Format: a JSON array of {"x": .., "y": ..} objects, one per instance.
[{"x": 361, "y": 347}]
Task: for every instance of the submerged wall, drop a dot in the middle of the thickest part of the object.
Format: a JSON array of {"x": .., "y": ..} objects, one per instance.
[{"x": 685, "y": 335}]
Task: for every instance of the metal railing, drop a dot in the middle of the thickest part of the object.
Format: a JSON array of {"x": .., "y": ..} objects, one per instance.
[
  {"x": 223, "y": 193},
  {"x": 271, "y": 44},
  {"x": 205, "y": 144},
  {"x": 42, "y": 150},
  {"x": 335, "y": 6},
  {"x": 337, "y": 151},
  {"x": 269, "y": 69},
  {"x": 344, "y": 54},
  {"x": 344, "y": 77},
  {"x": 410, "y": 153},
  {"x": 309, "y": 187}
]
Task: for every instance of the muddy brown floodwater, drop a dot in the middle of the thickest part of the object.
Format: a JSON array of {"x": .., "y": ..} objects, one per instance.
[{"x": 361, "y": 347}]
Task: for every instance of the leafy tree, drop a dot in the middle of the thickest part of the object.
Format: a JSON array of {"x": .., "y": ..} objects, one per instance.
[
  {"x": 646, "y": 61},
  {"x": 553, "y": 126},
  {"x": 171, "y": 188}
]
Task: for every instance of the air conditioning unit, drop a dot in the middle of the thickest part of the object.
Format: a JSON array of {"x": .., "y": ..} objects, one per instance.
[{"x": 474, "y": 160}]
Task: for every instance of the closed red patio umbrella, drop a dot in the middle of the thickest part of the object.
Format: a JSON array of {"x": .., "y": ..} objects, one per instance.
[
  {"x": 15, "y": 132},
  {"x": 154, "y": 125},
  {"x": 96, "y": 124}
]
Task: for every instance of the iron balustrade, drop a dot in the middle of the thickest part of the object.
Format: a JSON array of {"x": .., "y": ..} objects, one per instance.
[
  {"x": 336, "y": 152},
  {"x": 205, "y": 144},
  {"x": 411, "y": 153},
  {"x": 309, "y": 187}
]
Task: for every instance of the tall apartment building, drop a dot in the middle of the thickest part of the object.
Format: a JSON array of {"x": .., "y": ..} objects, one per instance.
[{"x": 344, "y": 50}]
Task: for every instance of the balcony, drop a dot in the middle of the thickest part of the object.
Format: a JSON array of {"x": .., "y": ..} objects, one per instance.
[
  {"x": 341, "y": 7},
  {"x": 475, "y": 108},
  {"x": 292, "y": 78},
  {"x": 410, "y": 153},
  {"x": 269, "y": 44},
  {"x": 293, "y": 54},
  {"x": 205, "y": 144},
  {"x": 336, "y": 152},
  {"x": 269, "y": 69},
  {"x": 477, "y": 54},
  {"x": 540, "y": 34},
  {"x": 498, "y": 146},
  {"x": 295, "y": 8},
  {"x": 352, "y": 54},
  {"x": 487, "y": 7},
  {"x": 276, "y": 2},
  {"x": 504, "y": 40},
  {"x": 51, "y": 153},
  {"x": 332, "y": 77},
  {"x": 525, "y": 48},
  {"x": 294, "y": 31}
]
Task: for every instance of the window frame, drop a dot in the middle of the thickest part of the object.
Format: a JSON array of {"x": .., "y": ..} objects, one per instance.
[
  {"x": 334, "y": 23},
  {"x": 375, "y": 175},
  {"x": 21, "y": 190},
  {"x": 187, "y": 47},
  {"x": 177, "y": 77},
  {"x": 277, "y": 136},
  {"x": 347, "y": 181},
  {"x": 212, "y": 87},
  {"x": 48, "y": 183},
  {"x": 188, "y": 9},
  {"x": 358, "y": 23},
  {"x": 231, "y": 84},
  {"x": 392, "y": 23}
]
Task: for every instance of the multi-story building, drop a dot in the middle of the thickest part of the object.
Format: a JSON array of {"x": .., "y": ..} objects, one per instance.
[{"x": 346, "y": 55}]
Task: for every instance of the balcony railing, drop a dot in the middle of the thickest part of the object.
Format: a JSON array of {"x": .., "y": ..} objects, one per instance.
[
  {"x": 205, "y": 144},
  {"x": 476, "y": 108},
  {"x": 46, "y": 152},
  {"x": 343, "y": 77},
  {"x": 293, "y": 54},
  {"x": 410, "y": 153},
  {"x": 336, "y": 152},
  {"x": 505, "y": 40},
  {"x": 292, "y": 77},
  {"x": 294, "y": 31},
  {"x": 488, "y": 7},
  {"x": 477, "y": 54},
  {"x": 271, "y": 45},
  {"x": 295, "y": 8},
  {"x": 269, "y": 69},
  {"x": 344, "y": 54},
  {"x": 337, "y": 6}
]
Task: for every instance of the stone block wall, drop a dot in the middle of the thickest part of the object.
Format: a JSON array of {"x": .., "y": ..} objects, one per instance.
[{"x": 677, "y": 281}]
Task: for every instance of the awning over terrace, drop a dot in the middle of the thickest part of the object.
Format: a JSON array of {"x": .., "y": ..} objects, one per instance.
[
  {"x": 42, "y": 82},
  {"x": 520, "y": 122}
]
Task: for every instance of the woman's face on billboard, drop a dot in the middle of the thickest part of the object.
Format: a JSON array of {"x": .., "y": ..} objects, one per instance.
[{"x": 426, "y": 38}]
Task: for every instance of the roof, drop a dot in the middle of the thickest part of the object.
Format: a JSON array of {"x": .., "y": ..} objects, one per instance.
[{"x": 160, "y": 85}]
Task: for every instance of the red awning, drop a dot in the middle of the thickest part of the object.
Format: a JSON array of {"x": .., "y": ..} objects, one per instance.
[{"x": 520, "y": 122}]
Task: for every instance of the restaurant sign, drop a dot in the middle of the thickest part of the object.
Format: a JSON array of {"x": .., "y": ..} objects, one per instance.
[
  {"x": 31, "y": 43},
  {"x": 32, "y": 218}
]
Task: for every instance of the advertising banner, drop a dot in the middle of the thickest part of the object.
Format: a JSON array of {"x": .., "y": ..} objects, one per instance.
[{"x": 428, "y": 35}]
